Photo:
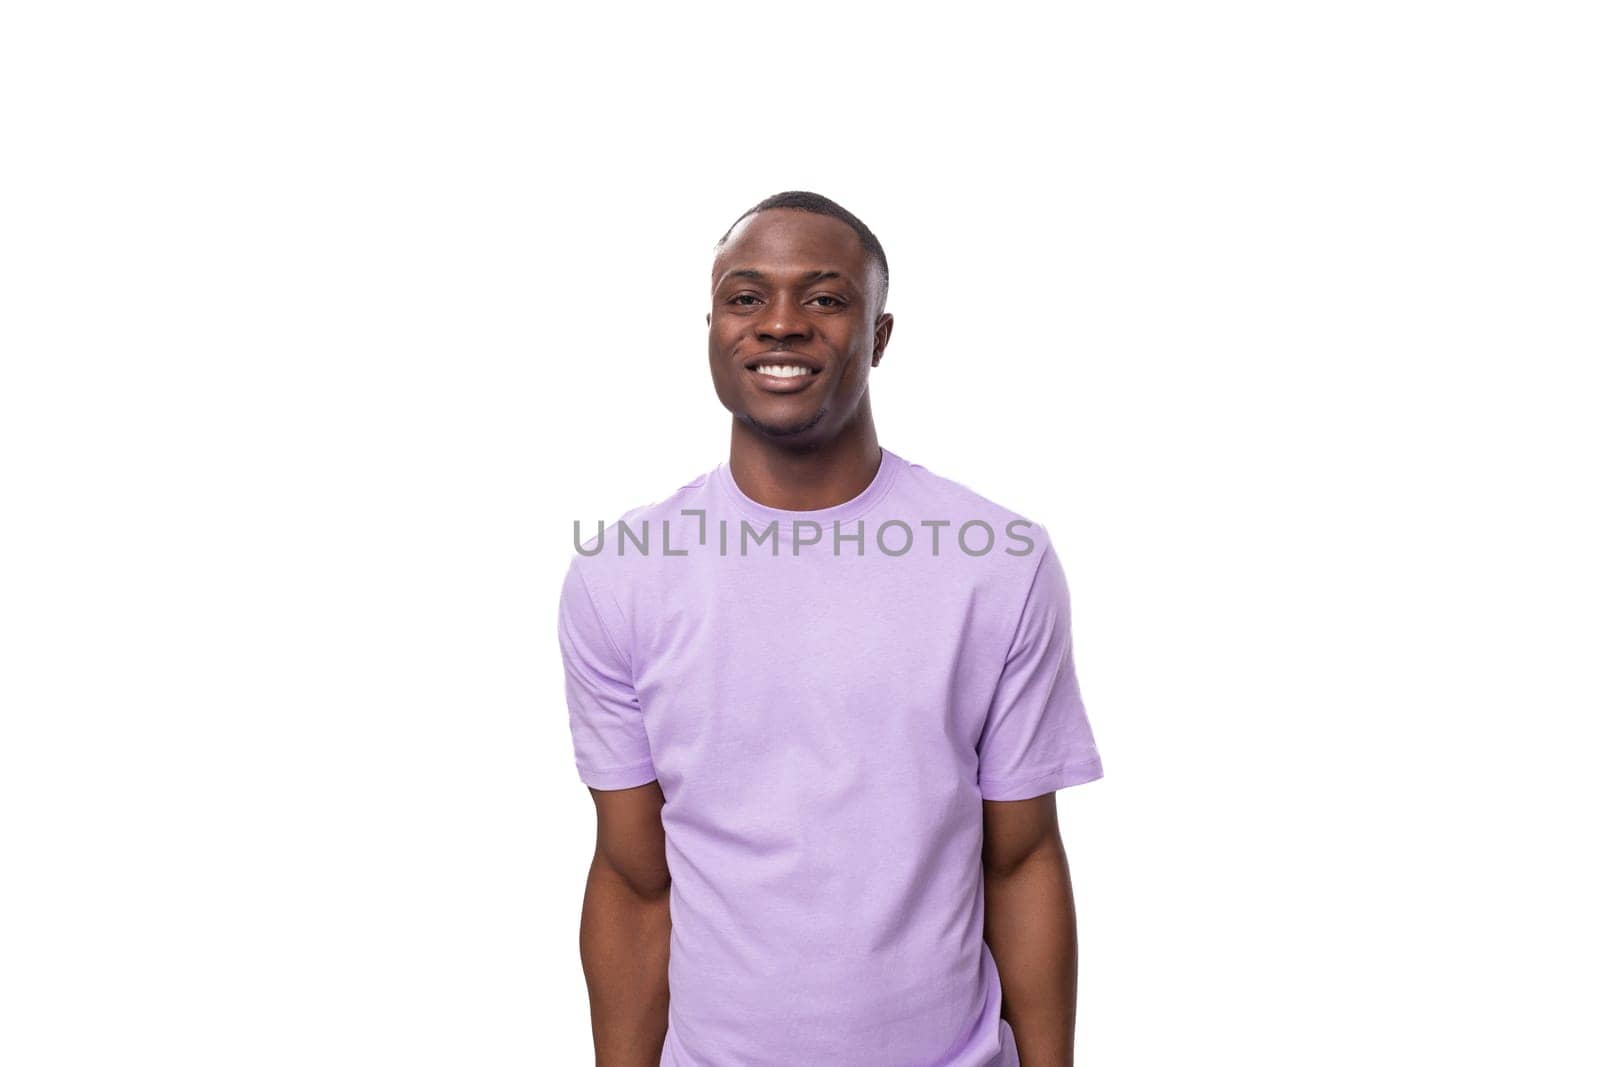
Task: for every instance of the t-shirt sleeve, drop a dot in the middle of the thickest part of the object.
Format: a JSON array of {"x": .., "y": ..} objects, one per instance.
[
  {"x": 1036, "y": 738},
  {"x": 608, "y": 736}
]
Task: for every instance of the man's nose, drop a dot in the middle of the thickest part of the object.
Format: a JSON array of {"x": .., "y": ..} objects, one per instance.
[{"x": 782, "y": 322}]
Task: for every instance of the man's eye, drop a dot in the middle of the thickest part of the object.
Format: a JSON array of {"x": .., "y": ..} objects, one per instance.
[
  {"x": 742, "y": 297},
  {"x": 832, "y": 301}
]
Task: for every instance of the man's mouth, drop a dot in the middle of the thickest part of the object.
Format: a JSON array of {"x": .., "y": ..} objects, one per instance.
[
  {"x": 784, "y": 365},
  {"x": 783, "y": 372}
]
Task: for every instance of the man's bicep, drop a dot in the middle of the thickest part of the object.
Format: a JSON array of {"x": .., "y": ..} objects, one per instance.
[
  {"x": 609, "y": 741},
  {"x": 1036, "y": 736},
  {"x": 1014, "y": 830},
  {"x": 630, "y": 842}
]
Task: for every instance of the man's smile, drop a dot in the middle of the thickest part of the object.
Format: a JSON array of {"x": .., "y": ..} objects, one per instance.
[{"x": 784, "y": 372}]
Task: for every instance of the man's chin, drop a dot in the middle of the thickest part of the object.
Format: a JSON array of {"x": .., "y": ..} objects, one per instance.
[{"x": 786, "y": 429}]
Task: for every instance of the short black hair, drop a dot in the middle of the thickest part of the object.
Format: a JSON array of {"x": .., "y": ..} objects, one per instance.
[{"x": 817, "y": 204}]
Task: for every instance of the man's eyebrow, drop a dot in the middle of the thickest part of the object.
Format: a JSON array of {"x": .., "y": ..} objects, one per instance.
[{"x": 808, "y": 276}]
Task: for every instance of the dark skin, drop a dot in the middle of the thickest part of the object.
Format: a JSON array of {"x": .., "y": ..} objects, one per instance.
[
  {"x": 800, "y": 284},
  {"x": 1031, "y": 925},
  {"x": 795, "y": 287},
  {"x": 626, "y": 926}
]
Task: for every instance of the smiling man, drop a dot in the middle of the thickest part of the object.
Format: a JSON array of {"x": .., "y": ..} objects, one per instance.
[{"x": 822, "y": 698}]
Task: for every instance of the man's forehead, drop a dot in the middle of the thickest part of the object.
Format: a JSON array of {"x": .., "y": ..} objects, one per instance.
[{"x": 787, "y": 241}]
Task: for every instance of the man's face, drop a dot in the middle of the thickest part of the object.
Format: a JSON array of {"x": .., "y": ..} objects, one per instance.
[{"x": 796, "y": 293}]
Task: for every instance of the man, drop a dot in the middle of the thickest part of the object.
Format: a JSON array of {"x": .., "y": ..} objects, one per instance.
[{"x": 822, "y": 698}]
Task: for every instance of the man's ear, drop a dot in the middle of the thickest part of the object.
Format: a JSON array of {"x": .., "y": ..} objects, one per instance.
[{"x": 880, "y": 336}]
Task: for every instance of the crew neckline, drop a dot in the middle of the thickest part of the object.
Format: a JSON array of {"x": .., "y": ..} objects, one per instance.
[{"x": 889, "y": 465}]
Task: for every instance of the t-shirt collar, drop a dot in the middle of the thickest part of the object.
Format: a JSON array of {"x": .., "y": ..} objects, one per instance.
[{"x": 849, "y": 510}]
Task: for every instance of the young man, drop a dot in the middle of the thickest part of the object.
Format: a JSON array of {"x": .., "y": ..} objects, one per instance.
[{"x": 822, "y": 698}]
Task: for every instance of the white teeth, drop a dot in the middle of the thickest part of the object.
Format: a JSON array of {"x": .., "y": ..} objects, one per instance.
[{"x": 783, "y": 371}]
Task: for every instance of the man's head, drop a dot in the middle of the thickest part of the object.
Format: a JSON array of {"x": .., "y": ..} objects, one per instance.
[{"x": 797, "y": 283}]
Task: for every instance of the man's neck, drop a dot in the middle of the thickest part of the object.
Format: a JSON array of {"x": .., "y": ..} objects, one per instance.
[{"x": 804, "y": 478}]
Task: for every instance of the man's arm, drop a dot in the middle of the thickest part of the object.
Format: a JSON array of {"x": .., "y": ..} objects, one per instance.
[
  {"x": 624, "y": 932},
  {"x": 1031, "y": 926}
]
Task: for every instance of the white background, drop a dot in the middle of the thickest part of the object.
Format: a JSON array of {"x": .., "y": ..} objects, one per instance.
[{"x": 322, "y": 322}]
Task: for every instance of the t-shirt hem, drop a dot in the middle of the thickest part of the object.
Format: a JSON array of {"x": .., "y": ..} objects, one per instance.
[
  {"x": 1022, "y": 788},
  {"x": 619, "y": 777}
]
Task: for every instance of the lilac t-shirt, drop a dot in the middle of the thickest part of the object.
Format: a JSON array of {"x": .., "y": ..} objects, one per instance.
[{"x": 826, "y": 698}]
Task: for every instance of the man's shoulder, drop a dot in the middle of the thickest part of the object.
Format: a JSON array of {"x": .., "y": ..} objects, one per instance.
[
  {"x": 935, "y": 496},
  {"x": 638, "y": 532}
]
